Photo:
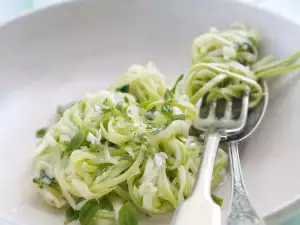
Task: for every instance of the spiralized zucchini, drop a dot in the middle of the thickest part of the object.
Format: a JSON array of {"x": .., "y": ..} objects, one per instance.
[
  {"x": 225, "y": 66},
  {"x": 237, "y": 44},
  {"x": 130, "y": 143},
  {"x": 129, "y": 147}
]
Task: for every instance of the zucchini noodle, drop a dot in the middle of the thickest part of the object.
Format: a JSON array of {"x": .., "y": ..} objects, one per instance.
[
  {"x": 131, "y": 144},
  {"x": 237, "y": 44},
  {"x": 225, "y": 65}
]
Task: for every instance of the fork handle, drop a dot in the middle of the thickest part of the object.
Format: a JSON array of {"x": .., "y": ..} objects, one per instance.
[
  {"x": 202, "y": 187},
  {"x": 242, "y": 211},
  {"x": 199, "y": 208}
]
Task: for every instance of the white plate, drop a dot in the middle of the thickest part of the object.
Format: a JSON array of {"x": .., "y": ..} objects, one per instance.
[
  {"x": 288, "y": 214},
  {"x": 61, "y": 53}
]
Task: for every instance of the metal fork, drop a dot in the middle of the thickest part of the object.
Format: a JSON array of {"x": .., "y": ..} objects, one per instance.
[
  {"x": 241, "y": 210},
  {"x": 199, "y": 208}
]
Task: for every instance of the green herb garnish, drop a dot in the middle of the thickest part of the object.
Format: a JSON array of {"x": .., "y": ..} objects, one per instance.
[
  {"x": 173, "y": 118},
  {"x": 178, "y": 117},
  {"x": 88, "y": 212},
  {"x": 76, "y": 140},
  {"x": 123, "y": 89},
  {"x": 123, "y": 109},
  {"x": 217, "y": 199},
  {"x": 43, "y": 179},
  {"x": 105, "y": 109},
  {"x": 41, "y": 132},
  {"x": 71, "y": 215},
  {"x": 120, "y": 106},
  {"x": 62, "y": 108},
  {"x": 142, "y": 137},
  {"x": 176, "y": 83},
  {"x": 167, "y": 109},
  {"x": 169, "y": 95},
  {"x": 128, "y": 215},
  {"x": 126, "y": 100}
]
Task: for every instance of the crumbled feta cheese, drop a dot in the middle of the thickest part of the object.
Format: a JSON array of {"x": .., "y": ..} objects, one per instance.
[
  {"x": 177, "y": 110},
  {"x": 92, "y": 139},
  {"x": 160, "y": 159},
  {"x": 97, "y": 108}
]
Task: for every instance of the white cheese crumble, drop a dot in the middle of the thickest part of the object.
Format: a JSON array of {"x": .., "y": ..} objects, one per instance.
[
  {"x": 229, "y": 52},
  {"x": 92, "y": 139},
  {"x": 160, "y": 159},
  {"x": 97, "y": 108}
]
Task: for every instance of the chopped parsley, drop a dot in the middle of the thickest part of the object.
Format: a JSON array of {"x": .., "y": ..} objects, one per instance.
[
  {"x": 123, "y": 89},
  {"x": 41, "y": 132}
]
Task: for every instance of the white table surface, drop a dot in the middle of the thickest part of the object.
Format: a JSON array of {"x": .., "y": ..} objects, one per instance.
[{"x": 12, "y": 8}]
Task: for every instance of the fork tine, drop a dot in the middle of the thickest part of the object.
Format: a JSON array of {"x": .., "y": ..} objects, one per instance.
[
  {"x": 229, "y": 124},
  {"x": 198, "y": 105},
  {"x": 228, "y": 110},
  {"x": 244, "y": 110},
  {"x": 212, "y": 110}
]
